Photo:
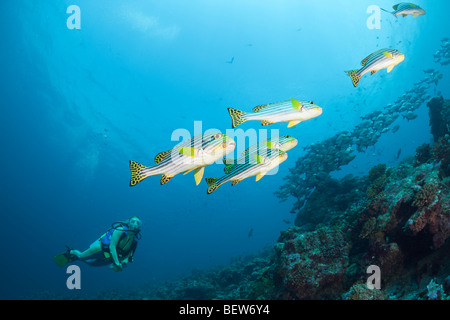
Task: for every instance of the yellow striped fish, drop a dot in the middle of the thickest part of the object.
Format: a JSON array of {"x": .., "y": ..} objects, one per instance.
[
  {"x": 291, "y": 111},
  {"x": 242, "y": 171},
  {"x": 193, "y": 154},
  {"x": 283, "y": 143},
  {"x": 406, "y": 8},
  {"x": 380, "y": 59}
]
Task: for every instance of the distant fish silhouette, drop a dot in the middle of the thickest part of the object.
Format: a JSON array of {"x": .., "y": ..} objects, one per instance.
[
  {"x": 231, "y": 61},
  {"x": 399, "y": 152},
  {"x": 250, "y": 233}
]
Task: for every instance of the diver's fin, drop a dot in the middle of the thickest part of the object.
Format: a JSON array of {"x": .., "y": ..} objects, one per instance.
[
  {"x": 212, "y": 184},
  {"x": 64, "y": 258},
  {"x": 236, "y": 117},
  {"x": 160, "y": 156},
  {"x": 198, "y": 175},
  {"x": 293, "y": 123},
  {"x": 355, "y": 76},
  {"x": 165, "y": 179},
  {"x": 389, "y": 69},
  {"x": 136, "y": 173}
]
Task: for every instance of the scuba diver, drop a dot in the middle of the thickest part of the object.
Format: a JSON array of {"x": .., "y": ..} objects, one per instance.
[{"x": 116, "y": 247}]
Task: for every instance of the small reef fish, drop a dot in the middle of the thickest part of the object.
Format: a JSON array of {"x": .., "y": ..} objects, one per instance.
[
  {"x": 380, "y": 59},
  {"x": 240, "y": 172},
  {"x": 283, "y": 143},
  {"x": 193, "y": 154},
  {"x": 406, "y": 8},
  {"x": 291, "y": 111}
]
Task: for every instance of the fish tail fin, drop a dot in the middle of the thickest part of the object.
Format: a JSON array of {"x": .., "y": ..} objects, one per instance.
[
  {"x": 212, "y": 184},
  {"x": 137, "y": 174},
  {"x": 389, "y": 12},
  {"x": 355, "y": 76},
  {"x": 237, "y": 117}
]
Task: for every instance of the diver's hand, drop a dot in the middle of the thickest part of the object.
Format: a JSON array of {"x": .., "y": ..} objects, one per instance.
[{"x": 116, "y": 267}]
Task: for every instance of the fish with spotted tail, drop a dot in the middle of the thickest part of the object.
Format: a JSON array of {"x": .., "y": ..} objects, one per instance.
[
  {"x": 292, "y": 111},
  {"x": 406, "y": 8},
  {"x": 190, "y": 155},
  {"x": 380, "y": 59},
  {"x": 241, "y": 171}
]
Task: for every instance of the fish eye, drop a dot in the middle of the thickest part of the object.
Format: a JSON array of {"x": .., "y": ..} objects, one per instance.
[
  {"x": 217, "y": 136},
  {"x": 312, "y": 102}
]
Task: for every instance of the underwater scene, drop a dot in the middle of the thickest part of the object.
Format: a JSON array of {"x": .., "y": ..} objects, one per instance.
[{"x": 225, "y": 150}]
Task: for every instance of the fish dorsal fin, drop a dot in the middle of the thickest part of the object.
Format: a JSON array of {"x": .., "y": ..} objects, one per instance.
[
  {"x": 198, "y": 175},
  {"x": 388, "y": 55},
  {"x": 259, "y": 176},
  {"x": 412, "y": 5},
  {"x": 389, "y": 69},
  {"x": 293, "y": 123},
  {"x": 189, "y": 151},
  {"x": 395, "y": 6},
  {"x": 235, "y": 182},
  {"x": 228, "y": 168},
  {"x": 160, "y": 156},
  {"x": 259, "y": 158},
  {"x": 364, "y": 61},
  {"x": 266, "y": 123},
  {"x": 165, "y": 179},
  {"x": 258, "y": 108},
  {"x": 296, "y": 105}
]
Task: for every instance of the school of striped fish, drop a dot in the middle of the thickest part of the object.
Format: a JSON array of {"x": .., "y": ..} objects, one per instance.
[{"x": 202, "y": 150}]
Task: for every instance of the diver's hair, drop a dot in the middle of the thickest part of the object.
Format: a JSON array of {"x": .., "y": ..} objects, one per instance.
[{"x": 125, "y": 223}]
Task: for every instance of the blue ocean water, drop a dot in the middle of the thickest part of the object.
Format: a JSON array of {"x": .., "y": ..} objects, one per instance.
[{"x": 78, "y": 104}]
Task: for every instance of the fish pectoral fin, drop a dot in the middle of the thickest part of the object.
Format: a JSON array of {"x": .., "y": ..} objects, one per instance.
[
  {"x": 373, "y": 72},
  {"x": 160, "y": 156},
  {"x": 259, "y": 158},
  {"x": 293, "y": 123},
  {"x": 189, "y": 151},
  {"x": 415, "y": 15},
  {"x": 389, "y": 69},
  {"x": 296, "y": 105},
  {"x": 235, "y": 182},
  {"x": 388, "y": 55},
  {"x": 198, "y": 174},
  {"x": 404, "y": 15},
  {"x": 165, "y": 179},
  {"x": 272, "y": 145},
  {"x": 259, "y": 176},
  {"x": 266, "y": 123}
]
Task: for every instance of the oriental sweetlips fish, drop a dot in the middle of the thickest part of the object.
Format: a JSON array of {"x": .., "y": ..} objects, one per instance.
[
  {"x": 406, "y": 8},
  {"x": 291, "y": 111},
  {"x": 283, "y": 143},
  {"x": 239, "y": 172},
  {"x": 380, "y": 59},
  {"x": 190, "y": 155}
]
